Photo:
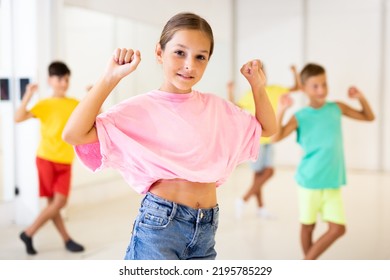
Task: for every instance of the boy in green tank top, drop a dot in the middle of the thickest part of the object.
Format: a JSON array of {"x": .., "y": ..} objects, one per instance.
[{"x": 321, "y": 171}]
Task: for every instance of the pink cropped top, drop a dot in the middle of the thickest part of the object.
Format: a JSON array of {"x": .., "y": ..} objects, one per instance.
[{"x": 197, "y": 136}]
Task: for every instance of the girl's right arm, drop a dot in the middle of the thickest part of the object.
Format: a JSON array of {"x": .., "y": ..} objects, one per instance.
[
  {"x": 283, "y": 131},
  {"x": 264, "y": 112},
  {"x": 80, "y": 128}
]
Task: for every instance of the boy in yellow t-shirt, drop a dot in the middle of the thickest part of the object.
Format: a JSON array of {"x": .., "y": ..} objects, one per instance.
[
  {"x": 54, "y": 156},
  {"x": 263, "y": 167}
]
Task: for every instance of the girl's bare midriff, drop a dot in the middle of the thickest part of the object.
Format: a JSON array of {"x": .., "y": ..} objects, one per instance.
[{"x": 194, "y": 195}]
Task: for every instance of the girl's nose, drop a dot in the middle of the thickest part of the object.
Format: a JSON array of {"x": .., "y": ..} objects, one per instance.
[{"x": 188, "y": 64}]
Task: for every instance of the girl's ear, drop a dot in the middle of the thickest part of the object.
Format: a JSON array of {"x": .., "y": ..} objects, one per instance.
[{"x": 159, "y": 53}]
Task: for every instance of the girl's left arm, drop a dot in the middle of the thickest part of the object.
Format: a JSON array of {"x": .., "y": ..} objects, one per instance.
[
  {"x": 265, "y": 114},
  {"x": 365, "y": 114}
]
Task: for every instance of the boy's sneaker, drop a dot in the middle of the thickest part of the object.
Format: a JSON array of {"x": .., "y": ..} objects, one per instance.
[
  {"x": 73, "y": 246},
  {"x": 263, "y": 213},
  {"x": 28, "y": 243},
  {"x": 240, "y": 205}
]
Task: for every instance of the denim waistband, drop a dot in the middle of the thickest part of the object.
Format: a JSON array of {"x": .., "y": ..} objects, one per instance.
[{"x": 202, "y": 215}]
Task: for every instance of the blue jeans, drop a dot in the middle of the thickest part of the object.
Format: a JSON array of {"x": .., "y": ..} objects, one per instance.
[{"x": 164, "y": 230}]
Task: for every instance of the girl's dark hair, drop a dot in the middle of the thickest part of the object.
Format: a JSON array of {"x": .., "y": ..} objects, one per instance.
[
  {"x": 311, "y": 70},
  {"x": 58, "y": 68},
  {"x": 186, "y": 21}
]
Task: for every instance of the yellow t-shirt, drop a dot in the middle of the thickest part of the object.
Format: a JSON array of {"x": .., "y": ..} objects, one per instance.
[
  {"x": 53, "y": 114},
  {"x": 274, "y": 92}
]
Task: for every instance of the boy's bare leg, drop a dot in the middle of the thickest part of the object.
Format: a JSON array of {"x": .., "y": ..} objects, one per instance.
[
  {"x": 59, "y": 223},
  {"x": 307, "y": 237},
  {"x": 334, "y": 232},
  {"x": 267, "y": 174},
  {"x": 52, "y": 209},
  {"x": 258, "y": 181}
]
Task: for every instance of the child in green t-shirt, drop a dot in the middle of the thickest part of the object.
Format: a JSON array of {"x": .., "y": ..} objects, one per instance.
[{"x": 321, "y": 172}]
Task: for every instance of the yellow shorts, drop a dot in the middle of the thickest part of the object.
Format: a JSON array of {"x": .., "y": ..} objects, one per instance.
[{"x": 326, "y": 202}]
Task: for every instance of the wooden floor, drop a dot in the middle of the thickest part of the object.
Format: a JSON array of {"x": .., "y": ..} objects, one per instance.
[{"x": 100, "y": 216}]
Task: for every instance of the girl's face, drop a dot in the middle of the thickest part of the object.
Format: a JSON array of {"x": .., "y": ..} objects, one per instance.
[
  {"x": 184, "y": 60},
  {"x": 316, "y": 89}
]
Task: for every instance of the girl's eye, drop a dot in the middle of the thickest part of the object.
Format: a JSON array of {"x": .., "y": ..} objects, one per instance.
[
  {"x": 201, "y": 57},
  {"x": 180, "y": 53}
]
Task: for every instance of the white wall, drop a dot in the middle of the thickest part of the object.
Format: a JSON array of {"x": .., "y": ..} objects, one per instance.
[
  {"x": 157, "y": 12},
  {"x": 5, "y": 106},
  {"x": 1, "y": 137},
  {"x": 386, "y": 89},
  {"x": 272, "y": 32}
]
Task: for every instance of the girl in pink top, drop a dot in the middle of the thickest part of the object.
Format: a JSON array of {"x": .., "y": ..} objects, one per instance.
[{"x": 174, "y": 144}]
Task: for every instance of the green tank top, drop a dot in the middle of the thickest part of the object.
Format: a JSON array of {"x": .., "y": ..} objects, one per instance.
[{"x": 319, "y": 134}]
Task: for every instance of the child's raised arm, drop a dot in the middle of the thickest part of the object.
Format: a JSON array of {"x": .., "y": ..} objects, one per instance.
[
  {"x": 285, "y": 102},
  {"x": 365, "y": 114},
  {"x": 297, "y": 81},
  {"x": 265, "y": 114},
  {"x": 22, "y": 113},
  {"x": 80, "y": 127}
]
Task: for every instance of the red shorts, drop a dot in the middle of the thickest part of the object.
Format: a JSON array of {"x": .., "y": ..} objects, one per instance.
[{"x": 53, "y": 177}]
